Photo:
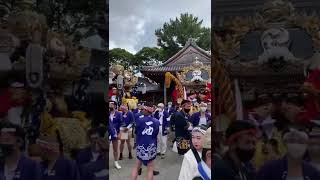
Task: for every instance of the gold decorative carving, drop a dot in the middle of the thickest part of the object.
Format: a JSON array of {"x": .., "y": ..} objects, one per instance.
[
  {"x": 129, "y": 79},
  {"x": 169, "y": 78},
  {"x": 196, "y": 69},
  {"x": 24, "y": 24},
  {"x": 278, "y": 13}
]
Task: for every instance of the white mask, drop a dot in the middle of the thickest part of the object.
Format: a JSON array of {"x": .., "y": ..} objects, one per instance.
[
  {"x": 296, "y": 150},
  {"x": 203, "y": 109}
]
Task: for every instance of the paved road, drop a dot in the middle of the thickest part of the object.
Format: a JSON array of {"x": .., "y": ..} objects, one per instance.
[{"x": 169, "y": 167}]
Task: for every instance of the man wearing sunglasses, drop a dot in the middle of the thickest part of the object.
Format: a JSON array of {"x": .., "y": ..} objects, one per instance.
[{"x": 13, "y": 164}]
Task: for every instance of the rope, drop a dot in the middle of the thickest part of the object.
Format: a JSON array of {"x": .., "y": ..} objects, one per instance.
[{"x": 222, "y": 78}]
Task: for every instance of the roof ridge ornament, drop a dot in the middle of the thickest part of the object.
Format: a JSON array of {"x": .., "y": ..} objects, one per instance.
[
  {"x": 196, "y": 63},
  {"x": 277, "y": 11},
  {"x": 191, "y": 41}
]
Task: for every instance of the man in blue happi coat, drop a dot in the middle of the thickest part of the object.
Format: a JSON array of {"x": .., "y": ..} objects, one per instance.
[
  {"x": 183, "y": 127},
  {"x": 147, "y": 129},
  {"x": 126, "y": 127},
  {"x": 170, "y": 109},
  {"x": 54, "y": 165},
  {"x": 115, "y": 121},
  {"x": 13, "y": 164},
  {"x": 202, "y": 117},
  {"x": 92, "y": 161},
  {"x": 293, "y": 165}
]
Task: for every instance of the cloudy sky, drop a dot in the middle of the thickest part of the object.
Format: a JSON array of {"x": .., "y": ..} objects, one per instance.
[{"x": 132, "y": 23}]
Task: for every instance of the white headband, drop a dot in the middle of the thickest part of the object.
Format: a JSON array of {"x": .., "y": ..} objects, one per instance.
[
  {"x": 198, "y": 129},
  {"x": 8, "y": 130},
  {"x": 17, "y": 85}
]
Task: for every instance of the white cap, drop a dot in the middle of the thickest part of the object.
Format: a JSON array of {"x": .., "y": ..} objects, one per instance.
[
  {"x": 161, "y": 105},
  {"x": 203, "y": 104}
]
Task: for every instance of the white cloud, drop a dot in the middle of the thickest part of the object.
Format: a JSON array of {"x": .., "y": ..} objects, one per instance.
[
  {"x": 125, "y": 32},
  {"x": 132, "y": 23},
  {"x": 112, "y": 45}
]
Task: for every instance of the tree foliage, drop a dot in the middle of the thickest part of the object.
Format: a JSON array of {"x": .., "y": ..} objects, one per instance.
[
  {"x": 171, "y": 38},
  {"x": 121, "y": 56},
  {"x": 72, "y": 15},
  {"x": 175, "y": 33},
  {"x": 68, "y": 16},
  {"x": 149, "y": 56}
]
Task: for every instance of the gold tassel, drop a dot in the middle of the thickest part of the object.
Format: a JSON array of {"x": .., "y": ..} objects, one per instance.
[{"x": 169, "y": 78}]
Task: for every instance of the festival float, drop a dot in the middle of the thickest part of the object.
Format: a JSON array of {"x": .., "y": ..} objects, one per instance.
[
  {"x": 121, "y": 83},
  {"x": 193, "y": 83},
  {"x": 55, "y": 67},
  {"x": 268, "y": 60},
  {"x": 269, "y": 53}
]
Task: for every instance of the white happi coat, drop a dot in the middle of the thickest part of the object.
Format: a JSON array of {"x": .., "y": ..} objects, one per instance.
[{"x": 189, "y": 167}]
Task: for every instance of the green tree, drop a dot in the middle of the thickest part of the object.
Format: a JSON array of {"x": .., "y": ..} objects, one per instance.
[
  {"x": 122, "y": 57},
  {"x": 69, "y": 16},
  {"x": 72, "y": 15},
  {"x": 174, "y": 34},
  {"x": 149, "y": 56}
]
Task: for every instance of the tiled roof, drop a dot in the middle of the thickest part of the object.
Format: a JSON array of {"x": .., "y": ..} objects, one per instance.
[
  {"x": 166, "y": 68},
  {"x": 184, "y": 58}
]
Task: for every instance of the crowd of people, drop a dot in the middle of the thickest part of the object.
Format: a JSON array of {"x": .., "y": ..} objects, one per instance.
[
  {"x": 150, "y": 125},
  {"x": 268, "y": 143},
  {"x": 42, "y": 154},
  {"x": 46, "y": 159}
]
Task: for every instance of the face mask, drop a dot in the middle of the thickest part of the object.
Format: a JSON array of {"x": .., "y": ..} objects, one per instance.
[
  {"x": 296, "y": 150},
  {"x": 203, "y": 109},
  {"x": 187, "y": 110},
  {"x": 245, "y": 155},
  {"x": 6, "y": 150}
]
